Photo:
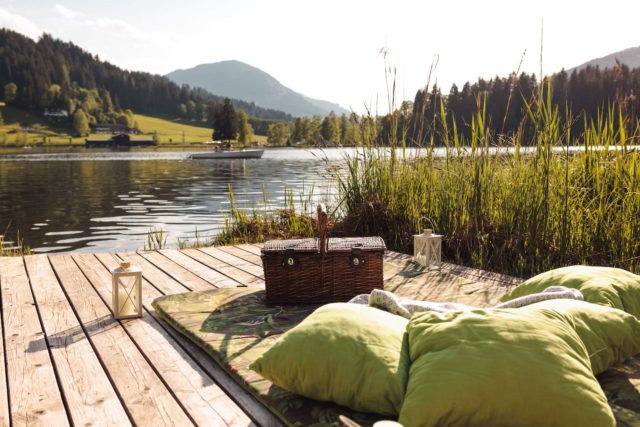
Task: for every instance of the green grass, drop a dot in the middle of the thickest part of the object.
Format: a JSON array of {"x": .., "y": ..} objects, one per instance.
[
  {"x": 169, "y": 130},
  {"x": 520, "y": 214}
]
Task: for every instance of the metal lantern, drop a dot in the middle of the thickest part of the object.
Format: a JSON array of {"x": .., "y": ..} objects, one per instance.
[
  {"x": 427, "y": 248},
  {"x": 127, "y": 291}
]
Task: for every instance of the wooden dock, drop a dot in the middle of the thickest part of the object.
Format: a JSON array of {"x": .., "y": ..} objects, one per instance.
[{"x": 68, "y": 362}]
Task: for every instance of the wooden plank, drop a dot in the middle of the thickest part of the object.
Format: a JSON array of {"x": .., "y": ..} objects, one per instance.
[
  {"x": 88, "y": 392},
  {"x": 197, "y": 391},
  {"x": 214, "y": 277},
  {"x": 34, "y": 396},
  {"x": 5, "y": 417},
  {"x": 179, "y": 273},
  {"x": 164, "y": 284},
  {"x": 231, "y": 271},
  {"x": 244, "y": 399},
  {"x": 147, "y": 399},
  {"x": 244, "y": 255},
  {"x": 234, "y": 260},
  {"x": 254, "y": 249}
]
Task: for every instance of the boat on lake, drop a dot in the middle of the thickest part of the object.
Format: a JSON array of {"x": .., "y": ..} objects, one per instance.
[{"x": 228, "y": 154}]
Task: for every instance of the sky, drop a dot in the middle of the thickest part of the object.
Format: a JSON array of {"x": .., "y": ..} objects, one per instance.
[{"x": 331, "y": 49}]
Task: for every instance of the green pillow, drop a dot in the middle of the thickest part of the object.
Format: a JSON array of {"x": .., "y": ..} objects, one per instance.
[
  {"x": 500, "y": 368},
  {"x": 610, "y": 335},
  {"x": 351, "y": 354},
  {"x": 600, "y": 285}
]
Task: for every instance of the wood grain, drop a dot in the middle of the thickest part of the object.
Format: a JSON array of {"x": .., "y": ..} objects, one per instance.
[
  {"x": 34, "y": 396},
  {"x": 89, "y": 394}
]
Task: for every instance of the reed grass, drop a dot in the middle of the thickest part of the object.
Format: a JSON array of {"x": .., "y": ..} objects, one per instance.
[
  {"x": 260, "y": 224},
  {"x": 156, "y": 239},
  {"x": 13, "y": 248},
  {"x": 543, "y": 206}
]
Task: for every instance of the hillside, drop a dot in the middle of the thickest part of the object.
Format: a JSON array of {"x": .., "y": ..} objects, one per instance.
[
  {"x": 51, "y": 73},
  {"x": 238, "y": 80},
  {"x": 168, "y": 130},
  {"x": 629, "y": 57}
]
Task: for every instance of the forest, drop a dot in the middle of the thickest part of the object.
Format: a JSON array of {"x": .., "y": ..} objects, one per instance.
[{"x": 57, "y": 75}]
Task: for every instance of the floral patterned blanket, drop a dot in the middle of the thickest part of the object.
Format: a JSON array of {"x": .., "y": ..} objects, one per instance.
[{"x": 235, "y": 326}]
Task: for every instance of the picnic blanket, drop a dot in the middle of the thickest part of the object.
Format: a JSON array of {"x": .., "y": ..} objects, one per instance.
[{"x": 235, "y": 326}]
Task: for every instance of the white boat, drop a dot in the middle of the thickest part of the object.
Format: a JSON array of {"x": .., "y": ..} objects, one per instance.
[{"x": 240, "y": 154}]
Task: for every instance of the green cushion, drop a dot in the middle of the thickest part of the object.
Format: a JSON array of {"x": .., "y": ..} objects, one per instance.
[
  {"x": 354, "y": 355},
  {"x": 613, "y": 287},
  {"x": 610, "y": 335},
  {"x": 500, "y": 368}
]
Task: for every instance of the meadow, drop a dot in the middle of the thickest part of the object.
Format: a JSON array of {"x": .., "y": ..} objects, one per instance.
[{"x": 169, "y": 131}]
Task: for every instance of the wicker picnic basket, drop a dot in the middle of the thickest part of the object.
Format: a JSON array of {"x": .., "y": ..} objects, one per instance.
[{"x": 321, "y": 270}]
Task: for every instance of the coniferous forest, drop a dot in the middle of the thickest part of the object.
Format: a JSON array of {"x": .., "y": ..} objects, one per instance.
[{"x": 52, "y": 74}]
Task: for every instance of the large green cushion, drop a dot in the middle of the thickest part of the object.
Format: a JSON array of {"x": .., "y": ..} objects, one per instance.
[
  {"x": 354, "y": 355},
  {"x": 613, "y": 287},
  {"x": 500, "y": 368},
  {"x": 610, "y": 335}
]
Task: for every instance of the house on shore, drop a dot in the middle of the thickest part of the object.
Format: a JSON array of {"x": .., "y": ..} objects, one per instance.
[{"x": 118, "y": 141}]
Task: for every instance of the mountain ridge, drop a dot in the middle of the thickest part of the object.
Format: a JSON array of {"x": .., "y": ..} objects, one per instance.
[
  {"x": 629, "y": 57},
  {"x": 237, "y": 79}
]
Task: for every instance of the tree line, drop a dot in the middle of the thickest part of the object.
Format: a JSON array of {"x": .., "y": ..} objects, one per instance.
[{"x": 581, "y": 95}]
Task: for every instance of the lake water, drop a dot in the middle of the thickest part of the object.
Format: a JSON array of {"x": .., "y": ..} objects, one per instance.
[{"x": 86, "y": 200}]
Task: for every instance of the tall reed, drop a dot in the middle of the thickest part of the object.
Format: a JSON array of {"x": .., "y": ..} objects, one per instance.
[{"x": 555, "y": 199}]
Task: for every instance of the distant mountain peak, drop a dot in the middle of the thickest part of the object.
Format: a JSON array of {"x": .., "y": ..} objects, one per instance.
[
  {"x": 237, "y": 79},
  {"x": 629, "y": 57}
]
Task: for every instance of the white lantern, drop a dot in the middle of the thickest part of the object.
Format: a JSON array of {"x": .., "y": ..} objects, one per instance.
[
  {"x": 427, "y": 248},
  {"x": 127, "y": 291}
]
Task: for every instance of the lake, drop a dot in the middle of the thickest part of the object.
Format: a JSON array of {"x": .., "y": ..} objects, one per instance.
[{"x": 74, "y": 199}]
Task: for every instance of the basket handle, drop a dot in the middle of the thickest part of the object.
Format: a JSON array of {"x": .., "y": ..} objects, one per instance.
[{"x": 323, "y": 224}]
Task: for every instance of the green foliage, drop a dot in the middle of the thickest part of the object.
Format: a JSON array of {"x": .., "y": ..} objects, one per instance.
[
  {"x": 330, "y": 129},
  {"x": 10, "y": 92},
  {"x": 80, "y": 123},
  {"x": 156, "y": 239},
  {"x": 278, "y": 134},
  {"x": 225, "y": 124},
  {"x": 10, "y": 248},
  {"x": 245, "y": 131},
  {"x": 1, "y": 120},
  {"x": 261, "y": 225},
  {"x": 523, "y": 212}
]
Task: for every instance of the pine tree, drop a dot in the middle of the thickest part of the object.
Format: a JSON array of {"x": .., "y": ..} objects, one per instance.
[
  {"x": 10, "y": 92},
  {"x": 80, "y": 123},
  {"x": 225, "y": 122},
  {"x": 245, "y": 130}
]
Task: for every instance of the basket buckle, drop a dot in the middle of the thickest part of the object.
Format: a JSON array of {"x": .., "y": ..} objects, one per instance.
[
  {"x": 356, "y": 259},
  {"x": 290, "y": 260}
]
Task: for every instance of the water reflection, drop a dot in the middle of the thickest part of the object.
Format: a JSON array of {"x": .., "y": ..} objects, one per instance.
[{"x": 88, "y": 205}]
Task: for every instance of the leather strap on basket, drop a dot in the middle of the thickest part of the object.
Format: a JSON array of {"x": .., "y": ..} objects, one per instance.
[{"x": 323, "y": 224}]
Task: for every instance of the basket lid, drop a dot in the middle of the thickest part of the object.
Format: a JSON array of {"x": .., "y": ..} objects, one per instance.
[
  {"x": 345, "y": 244},
  {"x": 297, "y": 245}
]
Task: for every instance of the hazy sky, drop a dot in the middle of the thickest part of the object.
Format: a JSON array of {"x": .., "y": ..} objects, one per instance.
[{"x": 330, "y": 49}]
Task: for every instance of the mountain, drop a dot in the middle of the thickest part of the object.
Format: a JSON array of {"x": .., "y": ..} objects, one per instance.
[
  {"x": 629, "y": 57},
  {"x": 51, "y": 73},
  {"x": 236, "y": 79}
]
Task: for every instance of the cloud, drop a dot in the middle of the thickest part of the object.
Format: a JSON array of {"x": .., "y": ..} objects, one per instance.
[
  {"x": 65, "y": 12},
  {"x": 19, "y": 24}
]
